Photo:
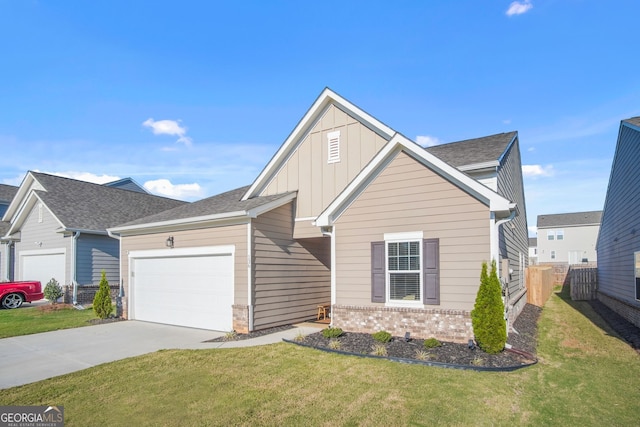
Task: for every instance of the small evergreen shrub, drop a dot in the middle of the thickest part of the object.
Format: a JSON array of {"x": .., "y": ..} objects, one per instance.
[
  {"x": 382, "y": 336},
  {"x": 102, "y": 301},
  {"x": 53, "y": 291},
  {"x": 432, "y": 343},
  {"x": 487, "y": 316},
  {"x": 331, "y": 332}
]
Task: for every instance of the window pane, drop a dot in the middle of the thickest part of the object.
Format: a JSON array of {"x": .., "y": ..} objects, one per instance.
[
  {"x": 393, "y": 249},
  {"x": 393, "y": 263},
  {"x": 403, "y": 248},
  {"x": 414, "y": 263},
  {"x": 404, "y": 286},
  {"x": 414, "y": 248},
  {"x": 403, "y": 263}
]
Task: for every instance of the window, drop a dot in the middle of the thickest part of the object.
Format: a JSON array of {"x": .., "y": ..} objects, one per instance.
[
  {"x": 403, "y": 266},
  {"x": 559, "y": 234},
  {"x": 637, "y": 265},
  {"x": 405, "y": 269},
  {"x": 551, "y": 235},
  {"x": 553, "y": 254},
  {"x": 333, "y": 147}
]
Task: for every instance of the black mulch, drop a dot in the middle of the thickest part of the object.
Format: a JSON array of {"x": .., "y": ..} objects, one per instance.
[
  {"x": 523, "y": 341},
  {"x": 254, "y": 334},
  {"x": 624, "y": 328}
]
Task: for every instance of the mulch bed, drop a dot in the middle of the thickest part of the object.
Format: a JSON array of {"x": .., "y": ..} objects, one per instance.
[
  {"x": 523, "y": 341},
  {"x": 626, "y": 329},
  {"x": 254, "y": 334}
]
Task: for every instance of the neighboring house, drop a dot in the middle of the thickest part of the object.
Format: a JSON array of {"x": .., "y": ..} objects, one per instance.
[
  {"x": 619, "y": 238},
  {"x": 348, "y": 213},
  {"x": 127, "y": 184},
  {"x": 7, "y": 192},
  {"x": 569, "y": 237},
  {"x": 57, "y": 228},
  {"x": 533, "y": 250}
]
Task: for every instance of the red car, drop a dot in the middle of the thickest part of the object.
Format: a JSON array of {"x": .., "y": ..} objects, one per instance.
[{"x": 13, "y": 294}]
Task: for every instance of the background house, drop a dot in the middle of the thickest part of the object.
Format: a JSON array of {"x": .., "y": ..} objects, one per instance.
[
  {"x": 619, "y": 238},
  {"x": 7, "y": 192},
  {"x": 568, "y": 237},
  {"x": 57, "y": 228},
  {"x": 533, "y": 250}
]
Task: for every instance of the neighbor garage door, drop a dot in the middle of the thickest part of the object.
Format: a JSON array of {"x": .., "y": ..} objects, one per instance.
[
  {"x": 42, "y": 266},
  {"x": 185, "y": 287}
]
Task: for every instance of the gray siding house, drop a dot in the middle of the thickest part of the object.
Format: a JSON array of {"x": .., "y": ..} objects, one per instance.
[
  {"x": 350, "y": 214},
  {"x": 568, "y": 237},
  {"x": 57, "y": 228},
  {"x": 619, "y": 238}
]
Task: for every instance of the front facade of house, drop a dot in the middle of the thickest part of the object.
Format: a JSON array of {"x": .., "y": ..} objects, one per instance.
[
  {"x": 568, "y": 238},
  {"x": 347, "y": 213},
  {"x": 619, "y": 239}
]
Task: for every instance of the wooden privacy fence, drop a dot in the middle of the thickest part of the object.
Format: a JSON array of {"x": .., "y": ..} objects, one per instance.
[
  {"x": 583, "y": 283},
  {"x": 540, "y": 281}
]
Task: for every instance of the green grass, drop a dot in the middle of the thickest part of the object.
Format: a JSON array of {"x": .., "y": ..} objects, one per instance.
[
  {"x": 586, "y": 377},
  {"x": 33, "y": 320}
]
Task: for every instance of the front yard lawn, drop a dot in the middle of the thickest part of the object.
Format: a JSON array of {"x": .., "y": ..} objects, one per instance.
[
  {"x": 33, "y": 320},
  {"x": 586, "y": 376}
]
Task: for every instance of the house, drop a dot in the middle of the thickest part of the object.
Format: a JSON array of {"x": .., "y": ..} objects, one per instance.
[
  {"x": 7, "y": 192},
  {"x": 619, "y": 238},
  {"x": 57, "y": 228},
  {"x": 348, "y": 213},
  {"x": 533, "y": 250},
  {"x": 569, "y": 237}
]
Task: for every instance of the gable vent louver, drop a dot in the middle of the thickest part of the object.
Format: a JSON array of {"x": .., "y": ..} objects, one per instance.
[{"x": 333, "y": 147}]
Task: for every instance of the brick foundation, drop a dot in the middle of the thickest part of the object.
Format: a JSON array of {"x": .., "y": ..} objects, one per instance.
[
  {"x": 445, "y": 325},
  {"x": 241, "y": 318},
  {"x": 86, "y": 293},
  {"x": 624, "y": 309}
]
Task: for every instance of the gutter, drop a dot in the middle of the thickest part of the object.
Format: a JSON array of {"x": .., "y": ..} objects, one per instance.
[{"x": 330, "y": 232}]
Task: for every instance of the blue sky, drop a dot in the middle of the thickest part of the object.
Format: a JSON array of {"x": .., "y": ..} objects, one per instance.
[{"x": 192, "y": 98}]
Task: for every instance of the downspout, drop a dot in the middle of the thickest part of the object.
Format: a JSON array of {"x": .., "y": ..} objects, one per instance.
[
  {"x": 113, "y": 236},
  {"x": 505, "y": 301},
  {"x": 330, "y": 232},
  {"x": 250, "y": 275},
  {"x": 74, "y": 261}
]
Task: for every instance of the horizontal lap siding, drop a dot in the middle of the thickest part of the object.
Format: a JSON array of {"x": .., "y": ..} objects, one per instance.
[
  {"x": 97, "y": 254},
  {"x": 290, "y": 277},
  {"x": 229, "y": 235},
  {"x": 620, "y": 230},
  {"x": 406, "y": 197}
]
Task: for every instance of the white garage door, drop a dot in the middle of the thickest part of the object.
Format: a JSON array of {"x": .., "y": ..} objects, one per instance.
[
  {"x": 42, "y": 266},
  {"x": 184, "y": 287}
]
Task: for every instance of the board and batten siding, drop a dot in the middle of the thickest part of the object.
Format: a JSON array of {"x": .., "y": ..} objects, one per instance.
[
  {"x": 307, "y": 169},
  {"x": 514, "y": 235},
  {"x": 228, "y": 235},
  {"x": 291, "y": 277},
  {"x": 36, "y": 235},
  {"x": 96, "y": 253},
  {"x": 406, "y": 197},
  {"x": 619, "y": 234}
]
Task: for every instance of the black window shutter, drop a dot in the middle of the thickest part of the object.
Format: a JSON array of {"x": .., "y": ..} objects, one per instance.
[
  {"x": 431, "y": 271},
  {"x": 378, "y": 272}
]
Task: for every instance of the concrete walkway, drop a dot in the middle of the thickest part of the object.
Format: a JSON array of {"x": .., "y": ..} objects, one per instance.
[{"x": 29, "y": 358}]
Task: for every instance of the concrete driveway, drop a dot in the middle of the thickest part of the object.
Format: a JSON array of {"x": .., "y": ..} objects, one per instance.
[{"x": 36, "y": 357}]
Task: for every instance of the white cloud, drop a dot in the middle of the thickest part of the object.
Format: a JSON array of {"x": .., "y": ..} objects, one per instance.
[
  {"x": 169, "y": 127},
  {"x": 533, "y": 230},
  {"x": 534, "y": 171},
  {"x": 164, "y": 187},
  {"x": 87, "y": 176},
  {"x": 427, "y": 140},
  {"x": 519, "y": 7}
]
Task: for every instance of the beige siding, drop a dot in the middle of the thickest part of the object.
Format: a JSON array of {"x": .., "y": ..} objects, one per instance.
[
  {"x": 305, "y": 230},
  {"x": 291, "y": 277},
  {"x": 406, "y": 197},
  {"x": 307, "y": 171},
  {"x": 229, "y": 235}
]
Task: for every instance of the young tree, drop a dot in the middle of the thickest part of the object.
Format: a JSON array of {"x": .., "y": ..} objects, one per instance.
[
  {"x": 487, "y": 316},
  {"x": 53, "y": 291},
  {"x": 102, "y": 301}
]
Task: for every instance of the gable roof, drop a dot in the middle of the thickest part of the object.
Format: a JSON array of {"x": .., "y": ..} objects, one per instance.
[
  {"x": 7, "y": 193},
  {"x": 570, "y": 219},
  {"x": 496, "y": 203},
  {"x": 327, "y": 97},
  {"x": 473, "y": 153},
  {"x": 633, "y": 120},
  {"x": 82, "y": 206},
  {"x": 127, "y": 184},
  {"x": 220, "y": 207}
]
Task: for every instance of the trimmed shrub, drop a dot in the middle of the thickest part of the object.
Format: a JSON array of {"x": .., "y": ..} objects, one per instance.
[
  {"x": 487, "y": 316},
  {"x": 432, "y": 343},
  {"x": 53, "y": 291},
  {"x": 102, "y": 301},
  {"x": 382, "y": 336},
  {"x": 331, "y": 332}
]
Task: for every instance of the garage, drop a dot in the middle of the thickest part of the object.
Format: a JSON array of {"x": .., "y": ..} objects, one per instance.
[
  {"x": 190, "y": 287},
  {"x": 43, "y": 265}
]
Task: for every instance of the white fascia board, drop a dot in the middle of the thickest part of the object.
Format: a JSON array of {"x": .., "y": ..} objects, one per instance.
[
  {"x": 253, "y": 213},
  {"x": 326, "y": 97},
  {"x": 479, "y": 166},
  {"x": 399, "y": 143},
  {"x": 25, "y": 208},
  {"x": 20, "y": 197},
  {"x": 173, "y": 223}
]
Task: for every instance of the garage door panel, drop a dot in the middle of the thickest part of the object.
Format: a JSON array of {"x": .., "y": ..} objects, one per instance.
[
  {"x": 194, "y": 291},
  {"x": 43, "y": 267}
]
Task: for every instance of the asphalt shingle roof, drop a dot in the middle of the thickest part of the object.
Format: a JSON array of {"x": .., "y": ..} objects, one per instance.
[
  {"x": 633, "y": 120},
  {"x": 533, "y": 242},
  {"x": 221, "y": 203},
  {"x": 569, "y": 219},
  {"x": 472, "y": 151},
  {"x": 87, "y": 206},
  {"x": 7, "y": 192}
]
